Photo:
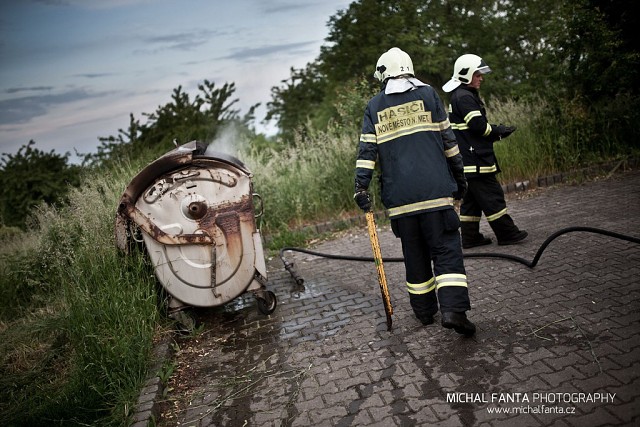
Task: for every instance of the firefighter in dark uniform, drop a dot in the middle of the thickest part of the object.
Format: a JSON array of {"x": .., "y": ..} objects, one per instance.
[
  {"x": 475, "y": 136},
  {"x": 406, "y": 133}
]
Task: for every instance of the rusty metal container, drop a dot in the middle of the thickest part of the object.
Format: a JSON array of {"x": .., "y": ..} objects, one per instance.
[{"x": 196, "y": 212}]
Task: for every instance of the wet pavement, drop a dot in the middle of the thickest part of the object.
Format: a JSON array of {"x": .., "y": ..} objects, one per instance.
[{"x": 558, "y": 344}]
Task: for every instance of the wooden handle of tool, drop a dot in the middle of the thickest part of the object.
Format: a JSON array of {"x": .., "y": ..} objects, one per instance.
[{"x": 382, "y": 278}]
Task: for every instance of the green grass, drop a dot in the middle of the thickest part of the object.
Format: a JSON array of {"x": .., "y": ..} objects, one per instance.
[
  {"x": 306, "y": 182},
  {"x": 75, "y": 347},
  {"x": 554, "y": 138}
]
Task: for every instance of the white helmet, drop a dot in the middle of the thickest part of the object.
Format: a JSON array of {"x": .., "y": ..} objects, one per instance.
[
  {"x": 394, "y": 62},
  {"x": 463, "y": 70}
]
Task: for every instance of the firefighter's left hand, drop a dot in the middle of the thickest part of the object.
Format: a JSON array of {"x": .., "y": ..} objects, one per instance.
[{"x": 461, "y": 191}]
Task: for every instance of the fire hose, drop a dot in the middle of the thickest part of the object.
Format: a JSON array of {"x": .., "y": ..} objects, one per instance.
[{"x": 289, "y": 266}]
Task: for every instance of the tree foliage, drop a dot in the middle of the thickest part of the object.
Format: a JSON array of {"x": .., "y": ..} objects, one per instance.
[
  {"x": 600, "y": 53},
  {"x": 535, "y": 47},
  {"x": 298, "y": 100},
  {"x": 30, "y": 177},
  {"x": 183, "y": 119}
]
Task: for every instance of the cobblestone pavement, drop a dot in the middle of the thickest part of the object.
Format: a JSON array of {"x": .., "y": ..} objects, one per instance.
[{"x": 558, "y": 344}]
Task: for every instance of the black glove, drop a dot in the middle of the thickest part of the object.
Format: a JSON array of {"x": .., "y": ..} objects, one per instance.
[
  {"x": 461, "y": 181},
  {"x": 363, "y": 199},
  {"x": 505, "y": 131},
  {"x": 461, "y": 191}
]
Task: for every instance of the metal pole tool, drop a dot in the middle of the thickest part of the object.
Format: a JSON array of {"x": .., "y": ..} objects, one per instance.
[{"x": 377, "y": 256}]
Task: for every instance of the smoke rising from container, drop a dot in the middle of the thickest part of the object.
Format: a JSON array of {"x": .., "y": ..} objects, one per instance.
[{"x": 230, "y": 140}]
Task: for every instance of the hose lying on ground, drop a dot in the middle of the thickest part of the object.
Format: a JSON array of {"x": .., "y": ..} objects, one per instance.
[{"x": 531, "y": 264}]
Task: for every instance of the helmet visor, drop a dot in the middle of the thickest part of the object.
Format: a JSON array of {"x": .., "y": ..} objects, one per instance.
[{"x": 483, "y": 68}]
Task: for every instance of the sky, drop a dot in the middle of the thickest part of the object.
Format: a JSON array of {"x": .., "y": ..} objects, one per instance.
[{"x": 72, "y": 71}]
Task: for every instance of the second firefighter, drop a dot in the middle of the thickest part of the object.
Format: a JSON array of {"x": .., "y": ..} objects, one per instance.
[{"x": 476, "y": 136}]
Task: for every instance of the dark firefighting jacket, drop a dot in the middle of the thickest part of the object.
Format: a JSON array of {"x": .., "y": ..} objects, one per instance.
[
  {"x": 473, "y": 132},
  {"x": 409, "y": 136}
]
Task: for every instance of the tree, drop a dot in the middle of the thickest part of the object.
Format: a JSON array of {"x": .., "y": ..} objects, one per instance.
[
  {"x": 115, "y": 148},
  {"x": 31, "y": 177},
  {"x": 361, "y": 33},
  {"x": 298, "y": 100},
  {"x": 549, "y": 47},
  {"x": 182, "y": 120},
  {"x": 433, "y": 32},
  {"x": 600, "y": 53}
]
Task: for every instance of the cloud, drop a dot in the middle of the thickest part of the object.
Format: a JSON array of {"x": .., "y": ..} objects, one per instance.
[
  {"x": 28, "y": 89},
  {"x": 178, "y": 41},
  {"x": 258, "y": 52},
  {"x": 94, "y": 75},
  {"x": 286, "y": 7},
  {"x": 111, "y": 4},
  {"x": 53, "y": 2},
  {"x": 22, "y": 110}
]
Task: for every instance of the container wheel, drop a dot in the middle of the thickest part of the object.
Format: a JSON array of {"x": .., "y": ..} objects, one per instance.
[
  {"x": 267, "y": 304},
  {"x": 185, "y": 321}
]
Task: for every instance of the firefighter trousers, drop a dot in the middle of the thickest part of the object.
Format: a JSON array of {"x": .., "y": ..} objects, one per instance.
[
  {"x": 426, "y": 237},
  {"x": 485, "y": 195}
]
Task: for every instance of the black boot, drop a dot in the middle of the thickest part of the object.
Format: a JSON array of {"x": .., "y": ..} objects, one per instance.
[
  {"x": 506, "y": 231},
  {"x": 471, "y": 236},
  {"x": 519, "y": 236},
  {"x": 426, "y": 319},
  {"x": 423, "y": 307},
  {"x": 458, "y": 322}
]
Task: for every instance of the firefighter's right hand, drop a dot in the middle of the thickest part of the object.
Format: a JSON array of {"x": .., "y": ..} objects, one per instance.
[
  {"x": 462, "y": 190},
  {"x": 363, "y": 199}
]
